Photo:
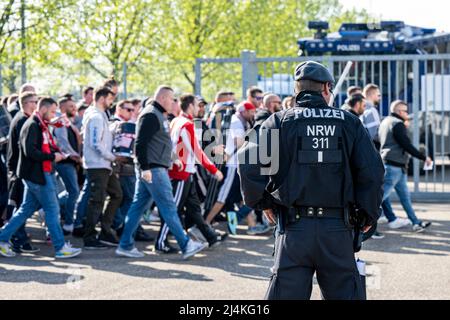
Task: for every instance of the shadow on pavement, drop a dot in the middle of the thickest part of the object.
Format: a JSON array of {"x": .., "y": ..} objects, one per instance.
[
  {"x": 434, "y": 241},
  {"x": 244, "y": 256}
]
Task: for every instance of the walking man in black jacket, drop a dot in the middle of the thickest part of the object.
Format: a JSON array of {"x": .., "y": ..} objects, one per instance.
[
  {"x": 396, "y": 148},
  {"x": 36, "y": 166},
  {"x": 28, "y": 103},
  {"x": 154, "y": 155}
]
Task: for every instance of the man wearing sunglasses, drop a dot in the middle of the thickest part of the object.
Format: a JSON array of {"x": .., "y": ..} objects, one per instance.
[
  {"x": 271, "y": 104},
  {"x": 396, "y": 150},
  {"x": 28, "y": 103},
  {"x": 255, "y": 96}
]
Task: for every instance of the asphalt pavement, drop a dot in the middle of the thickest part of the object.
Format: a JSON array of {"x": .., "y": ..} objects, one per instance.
[{"x": 403, "y": 265}]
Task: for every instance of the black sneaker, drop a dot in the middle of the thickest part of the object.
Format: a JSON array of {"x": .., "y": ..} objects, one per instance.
[
  {"x": 28, "y": 248},
  {"x": 223, "y": 236},
  {"x": 221, "y": 217},
  {"x": 78, "y": 232},
  {"x": 143, "y": 236},
  {"x": 108, "y": 239},
  {"x": 215, "y": 242},
  {"x": 166, "y": 249},
  {"x": 95, "y": 245}
]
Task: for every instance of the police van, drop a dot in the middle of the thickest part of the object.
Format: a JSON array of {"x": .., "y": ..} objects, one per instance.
[{"x": 387, "y": 38}]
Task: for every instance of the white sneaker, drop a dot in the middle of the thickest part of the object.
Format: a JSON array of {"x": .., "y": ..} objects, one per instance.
[
  {"x": 68, "y": 228},
  {"x": 67, "y": 252},
  {"x": 151, "y": 216},
  {"x": 133, "y": 253},
  {"x": 6, "y": 251},
  {"x": 382, "y": 220},
  {"x": 196, "y": 234},
  {"x": 193, "y": 247},
  {"x": 41, "y": 216},
  {"x": 154, "y": 218},
  {"x": 398, "y": 223}
]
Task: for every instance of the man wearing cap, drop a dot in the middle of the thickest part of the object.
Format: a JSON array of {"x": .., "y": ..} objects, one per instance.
[
  {"x": 327, "y": 167},
  {"x": 201, "y": 107}
]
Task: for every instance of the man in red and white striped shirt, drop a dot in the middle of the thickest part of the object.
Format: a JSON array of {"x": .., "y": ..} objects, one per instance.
[{"x": 189, "y": 152}]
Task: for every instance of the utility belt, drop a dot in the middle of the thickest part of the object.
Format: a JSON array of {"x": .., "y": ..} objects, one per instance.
[
  {"x": 350, "y": 216},
  {"x": 297, "y": 213}
]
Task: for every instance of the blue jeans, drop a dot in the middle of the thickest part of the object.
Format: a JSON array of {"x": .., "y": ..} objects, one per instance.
[
  {"x": 160, "y": 191},
  {"x": 20, "y": 237},
  {"x": 388, "y": 211},
  {"x": 35, "y": 197},
  {"x": 68, "y": 174},
  {"x": 395, "y": 178},
  {"x": 128, "y": 184},
  {"x": 81, "y": 205}
]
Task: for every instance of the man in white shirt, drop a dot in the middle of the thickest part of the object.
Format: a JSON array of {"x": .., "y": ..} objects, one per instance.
[{"x": 230, "y": 192}]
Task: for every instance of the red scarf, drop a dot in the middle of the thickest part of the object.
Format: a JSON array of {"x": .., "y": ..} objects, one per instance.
[{"x": 48, "y": 143}]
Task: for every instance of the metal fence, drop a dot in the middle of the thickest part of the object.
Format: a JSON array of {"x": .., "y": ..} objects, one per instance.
[{"x": 423, "y": 81}]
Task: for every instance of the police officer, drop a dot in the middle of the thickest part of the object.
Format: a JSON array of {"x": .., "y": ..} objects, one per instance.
[{"x": 327, "y": 170}]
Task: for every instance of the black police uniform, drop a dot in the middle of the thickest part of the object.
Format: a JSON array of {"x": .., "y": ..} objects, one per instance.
[{"x": 327, "y": 164}]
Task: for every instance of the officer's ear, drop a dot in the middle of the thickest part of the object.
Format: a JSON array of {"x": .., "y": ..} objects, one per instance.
[
  {"x": 327, "y": 91},
  {"x": 328, "y": 88}
]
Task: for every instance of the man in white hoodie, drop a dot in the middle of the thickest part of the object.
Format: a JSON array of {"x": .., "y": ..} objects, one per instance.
[{"x": 97, "y": 159}]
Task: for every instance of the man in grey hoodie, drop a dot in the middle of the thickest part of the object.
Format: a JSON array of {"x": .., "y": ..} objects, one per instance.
[{"x": 97, "y": 159}]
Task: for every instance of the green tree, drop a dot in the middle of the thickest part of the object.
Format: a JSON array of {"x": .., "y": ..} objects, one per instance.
[
  {"x": 100, "y": 34},
  {"x": 192, "y": 29},
  {"x": 7, "y": 25},
  {"x": 223, "y": 28},
  {"x": 77, "y": 42}
]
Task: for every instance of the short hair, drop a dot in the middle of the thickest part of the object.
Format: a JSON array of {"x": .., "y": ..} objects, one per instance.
[
  {"x": 162, "y": 90},
  {"x": 308, "y": 85},
  {"x": 355, "y": 99},
  {"x": 369, "y": 89},
  {"x": 12, "y": 98},
  {"x": 87, "y": 89},
  {"x": 222, "y": 94},
  {"x": 25, "y": 96},
  {"x": 103, "y": 91},
  {"x": 46, "y": 102},
  {"x": 122, "y": 103},
  {"x": 26, "y": 88},
  {"x": 353, "y": 90},
  {"x": 64, "y": 100},
  {"x": 252, "y": 91},
  {"x": 4, "y": 100},
  {"x": 69, "y": 96},
  {"x": 268, "y": 98},
  {"x": 136, "y": 102},
  {"x": 395, "y": 104},
  {"x": 111, "y": 82},
  {"x": 288, "y": 102},
  {"x": 186, "y": 100}
]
